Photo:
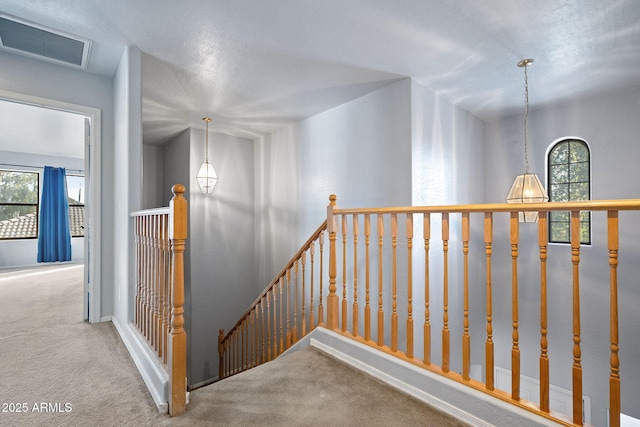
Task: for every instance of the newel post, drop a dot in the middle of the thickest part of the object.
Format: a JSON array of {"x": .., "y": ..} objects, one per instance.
[
  {"x": 332, "y": 298},
  {"x": 178, "y": 336}
]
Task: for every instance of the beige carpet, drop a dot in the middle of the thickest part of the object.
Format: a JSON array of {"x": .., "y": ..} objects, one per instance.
[{"x": 61, "y": 371}]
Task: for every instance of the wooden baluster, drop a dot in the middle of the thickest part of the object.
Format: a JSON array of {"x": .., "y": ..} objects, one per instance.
[
  {"x": 244, "y": 342},
  {"x": 288, "y": 336},
  {"x": 614, "y": 376},
  {"x": 577, "y": 363},
  {"x": 543, "y": 238},
  {"x": 515, "y": 349},
  {"x": 178, "y": 346},
  {"x": 303, "y": 318},
  {"x": 247, "y": 348},
  {"x": 394, "y": 282},
  {"x": 282, "y": 348},
  {"x": 156, "y": 283},
  {"x": 466, "y": 339},
  {"x": 409, "y": 286},
  {"x": 312, "y": 250},
  {"x": 141, "y": 267},
  {"x": 380, "y": 310},
  {"x": 426, "y": 234},
  {"x": 138, "y": 267},
  {"x": 161, "y": 295},
  {"x": 166, "y": 255},
  {"x": 149, "y": 288},
  {"x": 268, "y": 331},
  {"x": 445, "y": 293},
  {"x": 254, "y": 327},
  {"x": 488, "y": 238},
  {"x": 237, "y": 339},
  {"x": 344, "y": 274},
  {"x": 227, "y": 357},
  {"x": 232, "y": 352},
  {"x": 332, "y": 298},
  {"x": 294, "y": 333},
  {"x": 152, "y": 281},
  {"x": 367, "y": 306},
  {"x": 274, "y": 347},
  {"x": 263, "y": 333},
  {"x": 145, "y": 280},
  {"x": 320, "y": 304},
  {"x": 355, "y": 276},
  {"x": 221, "y": 374}
]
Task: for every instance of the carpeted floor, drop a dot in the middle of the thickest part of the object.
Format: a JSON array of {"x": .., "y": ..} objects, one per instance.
[{"x": 57, "y": 370}]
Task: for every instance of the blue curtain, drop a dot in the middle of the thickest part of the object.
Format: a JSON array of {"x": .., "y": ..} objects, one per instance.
[{"x": 54, "y": 231}]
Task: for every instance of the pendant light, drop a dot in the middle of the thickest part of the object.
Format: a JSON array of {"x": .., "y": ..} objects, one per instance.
[
  {"x": 206, "y": 177},
  {"x": 527, "y": 187}
]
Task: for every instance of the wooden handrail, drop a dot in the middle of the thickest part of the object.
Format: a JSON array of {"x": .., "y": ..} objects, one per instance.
[{"x": 588, "y": 205}]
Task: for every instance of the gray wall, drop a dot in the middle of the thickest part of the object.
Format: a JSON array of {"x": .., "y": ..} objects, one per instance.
[
  {"x": 609, "y": 125},
  {"x": 152, "y": 188},
  {"x": 37, "y": 78},
  {"x": 219, "y": 272}
]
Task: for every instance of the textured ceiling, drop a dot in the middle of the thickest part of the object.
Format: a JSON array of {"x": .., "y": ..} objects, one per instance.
[{"x": 254, "y": 65}]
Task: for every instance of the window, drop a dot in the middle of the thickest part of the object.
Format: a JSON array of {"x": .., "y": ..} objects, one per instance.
[
  {"x": 19, "y": 197},
  {"x": 569, "y": 179},
  {"x": 75, "y": 196}
]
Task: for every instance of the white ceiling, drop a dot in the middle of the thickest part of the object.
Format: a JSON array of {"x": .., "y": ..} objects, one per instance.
[{"x": 254, "y": 65}]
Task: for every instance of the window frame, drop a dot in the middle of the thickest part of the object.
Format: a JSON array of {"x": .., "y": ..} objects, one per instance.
[
  {"x": 550, "y": 150},
  {"x": 36, "y": 204},
  {"x": 76, "y": 175}
]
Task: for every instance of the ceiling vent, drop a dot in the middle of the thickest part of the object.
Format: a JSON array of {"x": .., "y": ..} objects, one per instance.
[{"x": 33, "y": 40}]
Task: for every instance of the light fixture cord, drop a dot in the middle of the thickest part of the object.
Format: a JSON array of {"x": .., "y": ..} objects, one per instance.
[
  {"x": 206, "y": 141},
  {"x": 526, "y": 120}
]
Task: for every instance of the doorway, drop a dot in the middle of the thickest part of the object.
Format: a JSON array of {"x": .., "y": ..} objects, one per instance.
[{"x": 87, "y": 122}]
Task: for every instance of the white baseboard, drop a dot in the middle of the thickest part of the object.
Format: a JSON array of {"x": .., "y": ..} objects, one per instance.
[
  {"x": 106, "y": 319},
  {"x": 462, "y": 402},
  {"x": 152, "y": 372}
]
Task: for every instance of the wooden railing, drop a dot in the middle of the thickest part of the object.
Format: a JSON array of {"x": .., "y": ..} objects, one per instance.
[
  {"x": 285, "y": 312},
  {"x": 160, "y": 236},
  {"x": 400, "y": 272}
]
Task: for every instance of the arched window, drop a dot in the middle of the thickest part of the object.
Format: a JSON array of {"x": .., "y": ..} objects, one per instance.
[{"x": 569, "y": 179}]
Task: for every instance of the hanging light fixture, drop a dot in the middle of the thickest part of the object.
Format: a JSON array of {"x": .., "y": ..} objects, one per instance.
[
  {"x": 206, "y": 177},
  {"x": 527, "y": 187}
]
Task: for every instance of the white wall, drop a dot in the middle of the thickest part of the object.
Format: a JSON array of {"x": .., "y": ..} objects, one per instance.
[
  {"x": 24, "y": 252},
  {"x": 360, "y": 151},
  {"x": 401, "y": 145},
  {"x": 42, "y": 79},
  {"x": 127, "y": 177},
  {"x": 609, "y": 124},
  {"x": 447, "y": 169}
]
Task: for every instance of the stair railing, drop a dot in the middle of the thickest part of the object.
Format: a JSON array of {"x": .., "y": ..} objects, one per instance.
[
  {"x": 283, "y": 313},
  {"x": 160, "y": 236},
  {"x": 387, "y": 288}
]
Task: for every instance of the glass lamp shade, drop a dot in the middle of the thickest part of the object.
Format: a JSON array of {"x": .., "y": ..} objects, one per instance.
[
  {"x": 207, "y": 178},
  {"x": 527, "y": 188}
]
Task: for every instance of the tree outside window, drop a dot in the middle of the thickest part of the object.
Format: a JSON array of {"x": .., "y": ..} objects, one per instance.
[
  {"x": 569, "y": 175},
  {"x": 19, "y": 198}
]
